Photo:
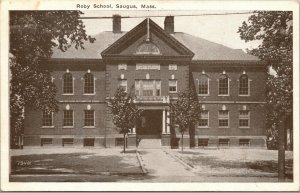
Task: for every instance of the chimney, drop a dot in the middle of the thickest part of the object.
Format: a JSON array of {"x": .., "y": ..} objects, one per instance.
[
  {"x": 169, "y": 24},
  {"x": 116, "y": 24}
]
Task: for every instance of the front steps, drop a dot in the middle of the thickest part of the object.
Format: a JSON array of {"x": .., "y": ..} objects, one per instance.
[{"x": 149, "y": 144}]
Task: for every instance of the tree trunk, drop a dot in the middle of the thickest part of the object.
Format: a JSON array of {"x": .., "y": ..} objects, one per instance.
[
  {"x": 181, "y": 142},
  {"x": 124, "y": 142},
  {"x": 281, "y": 150}
]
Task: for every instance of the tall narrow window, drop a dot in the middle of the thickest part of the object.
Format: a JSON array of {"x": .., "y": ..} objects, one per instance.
[
  {"x": 123, "y": 85},
  {"x": 203, "y": 85},
  {"x": 47, "y": 119},
  {"x": 89, "y": 119},
  {"x": 223, "y": 118},
  {"x": 223, "y": 85},
  {"x": 243, "y": 85},
  {"x": 68, "y": 118},
  {"x": 244, "y": 119},
  {"x": 172, "y": 86},
  {"x": 68, "y": 83},
  {"x": 204, "y": 119},
  {"x": 89, "y": 87}
]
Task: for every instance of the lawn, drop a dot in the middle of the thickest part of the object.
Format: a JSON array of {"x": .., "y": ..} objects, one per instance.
[
  {"x": 74, "y": 161},
  {"x": 235, "y": 162}
]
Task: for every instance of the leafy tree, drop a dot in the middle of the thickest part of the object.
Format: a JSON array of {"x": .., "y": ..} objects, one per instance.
[
  {"x": 274, "y": 30},
  {"x": 32, "y": 36},
  {"x": 185, "y": 112},
  {"x": 125, "y": 112}
]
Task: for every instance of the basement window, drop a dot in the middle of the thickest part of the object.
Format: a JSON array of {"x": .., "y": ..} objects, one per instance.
[
  {"x": 244, "y": 142},
  {"x": 46, "y": 141},
  {"x": 203, "y": 142},
  {"x": 67, "y": 141},
  {"x": 88, "y": 142},
  {"x": 223, "y": 142}
]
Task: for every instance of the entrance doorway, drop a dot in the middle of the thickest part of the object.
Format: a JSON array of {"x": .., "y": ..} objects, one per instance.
[{"x": 149, "y": 125}]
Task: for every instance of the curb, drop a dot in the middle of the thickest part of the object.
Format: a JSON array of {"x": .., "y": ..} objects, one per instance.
[
  {"x": 141, "y": 163},
  {"x": 78, "y": 173},
  {"x": 189, "y": 167}
]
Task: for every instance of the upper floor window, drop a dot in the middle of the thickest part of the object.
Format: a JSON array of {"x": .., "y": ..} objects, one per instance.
[
  {"x": 89, "y": 118},
  {"x": 172, "y": 66},
  {"x": 244, "y": 118},
  {"x": 68, "y": 83},
  {"x": 172, "y": 86},
  {"x": 123, "y": 85},
  {"x": 223, "y": 85},
  {"x": 203, "y": 85},
  {"x": 147, "y": 87},
  {"x": 244, "y": 85},
  {"x": 68, "y": 118},
  {"x": 142, "y": 66},
  {"x": 89, "y": 83},
  {"x": 122, "y": 66},
  {"x": 147, "y": 48},
  {"x": 47, "y": 119},
  {"x": 204, "y": 119},
  {"x": 223, "y": 118}
]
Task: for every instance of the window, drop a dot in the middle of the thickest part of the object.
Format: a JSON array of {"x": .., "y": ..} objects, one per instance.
[
  {"x": 143, "y": 66},
  {"x": 147, "y": 87},
  {"x": 223, "y": 85},
  {"x": 147, "y": 48},
  {"x": 68, "y": 83},
  {"x": 122, "y": 66},
  {"x": 172, "y": 86},
  {"x": 204, "y": 119},
  {"x": 67, "y": 141},
  {"x": 172, "y": 66},
  {"x": 46, "y": 141},
  {"x": 223, "y": 118},
  {"x": 203, "y": 142},
  {"x": 119, "y": 141},
  {"x": 223, "y": 142},
  {"x": 68, "y": 118},
  {"x": 89, "y": 84},
  {"x": 203, "y": 84},
  {"x": 47, "y": 119},
  {"x": 244, "y": 117},
  {"x": 89, "y": 119},
  {"x": 244, "y": 85},
  {"x": 123, "y": 85},
  {"x": 88, "y": 142},
  {"x": 244, "y": 142}
]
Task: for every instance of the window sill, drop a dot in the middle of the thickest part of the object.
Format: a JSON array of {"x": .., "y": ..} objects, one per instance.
[
  {"x": 68, "y": 127},
  {"x": 243, "y": 95},
  {"x": 68, "y": 94},
  {"x": 223, "y": 95},
  {"x": 172, "y": 92},
  {"x": 203, "y": 95},
  {"x": 203, "y": 127},
  {"x": 47, "y": 127},
  {"x": 89, "y": 93},
  {"x": 89, "y": 127},
  {"x": 223, "y": 127},
  {"x": 244, "y": 127}
]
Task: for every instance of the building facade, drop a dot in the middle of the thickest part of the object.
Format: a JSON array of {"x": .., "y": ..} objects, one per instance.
[{"x": 154, "y": 64}]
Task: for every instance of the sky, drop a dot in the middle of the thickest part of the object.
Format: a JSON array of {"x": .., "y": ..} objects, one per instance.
[{"x": 220, "y": 29}]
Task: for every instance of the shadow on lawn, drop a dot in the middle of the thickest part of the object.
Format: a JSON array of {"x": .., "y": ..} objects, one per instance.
[
  {"x": 73, "y": 163},
  {"x": 262, "y": 166}
]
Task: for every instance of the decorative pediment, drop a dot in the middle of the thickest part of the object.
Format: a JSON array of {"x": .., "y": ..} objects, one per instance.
[{"x": 147, "y": 39}]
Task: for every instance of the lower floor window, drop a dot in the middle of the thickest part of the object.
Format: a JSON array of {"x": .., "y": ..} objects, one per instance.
[
  {"x": 88, "y": 142},
  {"x": 67, "y": 141},
  {"x": 244, "y": 142},
  {"x": 89, "y": 119},
  {"x": 203, "y": 119},
  {"x": 119, "y": 141},
  {"x": 203, "y": 142},
  {"x": 244, "y": 117},
  {"x": 223, "y": 118},
  {"x": 46, "y": 141},
  {"x": 223, "y": 142}
]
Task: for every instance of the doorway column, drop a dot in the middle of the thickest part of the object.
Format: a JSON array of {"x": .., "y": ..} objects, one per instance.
[
  {"x": 168, "y": 122},
  {"x": 164, "y": 121}
]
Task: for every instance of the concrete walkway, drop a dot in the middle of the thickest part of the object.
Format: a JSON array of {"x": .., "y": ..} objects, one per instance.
[{"x": 159, "y": 164}]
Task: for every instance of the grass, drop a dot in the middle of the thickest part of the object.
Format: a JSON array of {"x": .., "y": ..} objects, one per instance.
[
  {"x": 75, "y": 163},
  {"x": 212, "y": 161}
]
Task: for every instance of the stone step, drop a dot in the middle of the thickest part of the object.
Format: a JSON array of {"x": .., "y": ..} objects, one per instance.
[{"x": 150, "y": 144}]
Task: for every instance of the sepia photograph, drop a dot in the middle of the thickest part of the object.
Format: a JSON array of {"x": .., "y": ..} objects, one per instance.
[{"x": 144, "y": 93}]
